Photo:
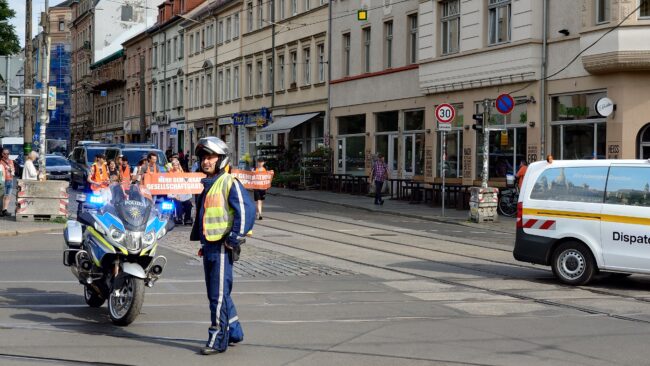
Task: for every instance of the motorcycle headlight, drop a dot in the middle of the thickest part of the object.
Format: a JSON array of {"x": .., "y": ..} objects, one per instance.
[
  {"x": 149, "y": 238},
  {"x": 116, "y": 235},
  {"x": 99, "y": 228}
]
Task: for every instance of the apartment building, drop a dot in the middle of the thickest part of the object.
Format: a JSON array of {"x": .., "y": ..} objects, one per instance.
[
  {"x": 377, "y": 105},
  {"x": 81, "y": 127},
  {"x": 137, "y": 72},
  {"x": 283, "y": 74},
  {"x": 475, "y": 50},
  {"x": 108, "y": 85}
]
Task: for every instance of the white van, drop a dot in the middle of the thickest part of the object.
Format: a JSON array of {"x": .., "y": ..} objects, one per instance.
[{"x": 585, "y": 216}]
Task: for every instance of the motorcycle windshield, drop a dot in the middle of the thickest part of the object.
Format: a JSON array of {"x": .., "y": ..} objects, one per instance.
[{"x": 133, "y": 205}]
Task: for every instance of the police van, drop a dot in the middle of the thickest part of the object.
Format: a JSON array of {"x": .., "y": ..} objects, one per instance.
[{"x": 585, "y": 216}]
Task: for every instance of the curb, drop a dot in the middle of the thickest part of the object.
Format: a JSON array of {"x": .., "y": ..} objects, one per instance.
[
  {"x": 413, "y": 216},
  {"x": 28, "y": 231}
]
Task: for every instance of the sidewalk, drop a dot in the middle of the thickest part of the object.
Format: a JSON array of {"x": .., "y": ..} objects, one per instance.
[
  {"x": 395, "y": 207},
  {"x": 9, "y": 227}
]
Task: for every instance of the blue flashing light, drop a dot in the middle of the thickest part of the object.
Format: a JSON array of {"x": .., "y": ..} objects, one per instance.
[
  {"x": 94, "y": 199},
  {"x": 167, "y": 206}
]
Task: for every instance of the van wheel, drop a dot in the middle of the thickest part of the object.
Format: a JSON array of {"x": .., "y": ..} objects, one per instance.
[{"x": 573, "y": 263}]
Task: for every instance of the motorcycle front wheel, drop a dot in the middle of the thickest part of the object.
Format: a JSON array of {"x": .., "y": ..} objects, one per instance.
[{"x": 125, "y": 303}]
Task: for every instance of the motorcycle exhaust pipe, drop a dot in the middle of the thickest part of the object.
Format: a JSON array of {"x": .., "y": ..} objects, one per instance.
[{"x": 156, "y": 270}]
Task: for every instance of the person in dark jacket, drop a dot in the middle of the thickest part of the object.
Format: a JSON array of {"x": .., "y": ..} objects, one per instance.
[{"x": 224, "y": 213}]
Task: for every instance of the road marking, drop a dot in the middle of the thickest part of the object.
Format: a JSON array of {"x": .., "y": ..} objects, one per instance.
[{"x": 477, "y": 232}]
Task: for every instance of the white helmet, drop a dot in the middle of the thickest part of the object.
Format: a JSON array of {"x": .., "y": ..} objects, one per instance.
[{"x": 213, "y": 145}]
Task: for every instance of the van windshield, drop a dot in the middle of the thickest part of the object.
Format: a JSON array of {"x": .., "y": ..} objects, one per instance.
[
  {"x": 134, "y": 156},
  {"x": 91, "y": 153}
]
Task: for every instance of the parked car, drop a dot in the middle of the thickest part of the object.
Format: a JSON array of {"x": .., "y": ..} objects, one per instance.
[
  {"x": 83, "y": 157},
  {"x": 135, "y": 152},
  {"x": 57, "y": 167}
]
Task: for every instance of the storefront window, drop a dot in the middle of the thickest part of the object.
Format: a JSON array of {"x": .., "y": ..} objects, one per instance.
[
  {"x": 507, "y": 151},
  {"x": 387, "y": 121},
  {"x": 578, "y": 132},
  {"x": 414, "y": 120},
  {"x": 352, "y": 124},
  {"x": 453, "y": 165},
  {"x": 519, "y": 114}
]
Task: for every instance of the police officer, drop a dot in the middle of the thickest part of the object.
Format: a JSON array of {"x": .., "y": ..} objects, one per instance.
[{"x": 224, "y": 212}]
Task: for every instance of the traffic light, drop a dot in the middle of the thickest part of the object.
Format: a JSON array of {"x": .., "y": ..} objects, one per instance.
[
  {"x": 479, "y": 121},
  {"x": 362, "y": 14}
]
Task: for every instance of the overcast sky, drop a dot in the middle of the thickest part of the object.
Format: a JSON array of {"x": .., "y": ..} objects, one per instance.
[{"x": 19, "y": 21}]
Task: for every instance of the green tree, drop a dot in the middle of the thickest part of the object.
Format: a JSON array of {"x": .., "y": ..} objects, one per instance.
[{"x": 9, "y": 44}]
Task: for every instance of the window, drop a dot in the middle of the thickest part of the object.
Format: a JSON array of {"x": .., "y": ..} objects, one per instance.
[
  {"x": 220, "y": 93},
  {"x": 162, "y": 97},
  {"x": 346, "y": 54},
  {"x": 220, "y": 32},
  {"x": 307, "y": 67},
  {"x": 260, "y": 78},
  {"x": 191, "y": 44},
  {"x": 281, "y": 72},
  {"x": 644, "y": 9},
  {"x": 197, "y": 42},
  {"x": 202, "y": 91},
  {"x": 127, "y": 13},
  {"x": 499, "y": 21},
  {"x": 197, "y": 96},
  {"x": 577, "y": 131},
  {"x": 169, "y": 97},
  {"x": 235, "y": 83},
  {"x": 572, "y": 184},
  {"x": 269, "y": 10},
  {"x": 180, "y": 94},
  {"x": 388, "y": 45},
  {"x": 228, "y": 29},
  {"x": 294, "y": 57},
  {"x": 227, "y": 86},
  {"x": 321, "y": 63},
  {"x": 191, "y": 92},
  {"x": 281, "y": 7},
  {"x": 628, "y": 186},
  {"x": 235, "y": 31},
  {"x": 294, "y": 7},
  {"x": 450, "y": 22},
  {"x": 249, "y": 79},
  {"x": 169, "y": 51},
  {"x": 413, "y": 39},
  {"x": 208, "y": 87},
  {"x": 61, "y": 25},
  {"x": 602, "y": 11},
  {"x": 249, "y": 17},
  {"x": 307, "y": 5},
  {"x": 182, "y": 48},
  {"x": 155, "y": 56},
  {"x": 269, "y": 75},
  {"x": 175, "y": 94},
  {"x": 260, "y": 20},
  {"x": 366, "y": 49},
  {"x": 175, "y": 48}
]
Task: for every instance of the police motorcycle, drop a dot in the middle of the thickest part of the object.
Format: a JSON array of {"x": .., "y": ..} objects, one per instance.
[{"x": 111, "y": 247}]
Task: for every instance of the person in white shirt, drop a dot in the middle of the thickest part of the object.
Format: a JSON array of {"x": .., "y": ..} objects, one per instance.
[{"x": 30, "y": 172}]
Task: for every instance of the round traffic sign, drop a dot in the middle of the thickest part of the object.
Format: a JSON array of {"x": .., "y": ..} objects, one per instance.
[
  {"x": 504, "y": 104},
  {"x": 445, "y": 113}
]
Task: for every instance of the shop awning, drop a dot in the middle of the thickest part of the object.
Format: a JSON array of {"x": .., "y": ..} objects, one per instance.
[{"x": 284, "y": 124}]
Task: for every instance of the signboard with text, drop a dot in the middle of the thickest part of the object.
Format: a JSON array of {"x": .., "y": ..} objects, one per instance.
[
  {"x": 174, "y": 183},
  {"x": 253, "y": 180}
]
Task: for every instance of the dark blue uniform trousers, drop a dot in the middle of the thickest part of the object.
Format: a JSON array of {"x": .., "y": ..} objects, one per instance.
[{"x": 217, "y": 264}]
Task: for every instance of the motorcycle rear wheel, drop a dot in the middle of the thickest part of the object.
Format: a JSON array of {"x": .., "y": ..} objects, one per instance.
[
  {"x": 93, "y": 299},
  {"x": 124, "y": 308}
]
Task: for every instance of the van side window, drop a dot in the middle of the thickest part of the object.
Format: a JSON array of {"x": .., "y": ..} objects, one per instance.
[
  {"x": 628, "y": 186},
  {"x": 571, "y": 184}
]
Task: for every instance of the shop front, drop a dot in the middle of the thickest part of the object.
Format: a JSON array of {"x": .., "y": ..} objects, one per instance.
[{"x": 350, "y": 145}]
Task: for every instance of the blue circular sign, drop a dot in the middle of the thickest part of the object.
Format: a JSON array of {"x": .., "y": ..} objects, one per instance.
[{"x": 504, "y": 104}]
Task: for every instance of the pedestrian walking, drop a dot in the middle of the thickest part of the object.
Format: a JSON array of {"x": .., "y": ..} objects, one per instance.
[
  {"x": 182, "y": 202},
  {"x": 30, "y": 172},
  {"x": 378, "y": 175},
  {"x": 521, "y": 173},
  {"x": 259, "y": 194},
  {"x": 224, "y": 213},
  {"x": 9, "y": 171}
]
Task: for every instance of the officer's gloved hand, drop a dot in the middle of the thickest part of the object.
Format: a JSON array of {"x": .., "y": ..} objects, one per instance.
[{"x": 233, "y": 244}]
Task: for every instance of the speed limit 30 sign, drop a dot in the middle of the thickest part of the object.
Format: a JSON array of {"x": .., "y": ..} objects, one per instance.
[{"x": 445, "y": 114}]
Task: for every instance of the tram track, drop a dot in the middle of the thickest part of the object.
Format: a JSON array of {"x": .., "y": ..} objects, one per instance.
[{"x": 445, "y": 281}]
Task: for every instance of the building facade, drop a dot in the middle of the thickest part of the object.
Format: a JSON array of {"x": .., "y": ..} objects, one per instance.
[
  {"x": 137, "y": 72},
  {"x": 476, "y": 50},
  {"x": 81, "y": 127},
  {"x": 377, "y": 105},
  {"x": 108, "y": 87}
]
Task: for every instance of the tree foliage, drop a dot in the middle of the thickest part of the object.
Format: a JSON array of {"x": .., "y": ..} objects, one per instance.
[{"x": 9, "y": 44}]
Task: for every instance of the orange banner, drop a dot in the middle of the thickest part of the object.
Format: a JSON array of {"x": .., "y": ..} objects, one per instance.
[
  {"x": 253, "y": 180},
  {"x": 174, "y": 183}
]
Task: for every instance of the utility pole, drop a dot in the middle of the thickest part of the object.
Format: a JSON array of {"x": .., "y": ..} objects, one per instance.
[
  {"x": 486, "y": 141},
  {"x": 142, "y": 100},
  {"x": 29, "y": 80},
  {"x": 45, "y": 78}
]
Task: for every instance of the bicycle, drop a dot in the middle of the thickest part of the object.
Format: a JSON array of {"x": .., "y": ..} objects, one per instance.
[{"x": 508, "y": 199}]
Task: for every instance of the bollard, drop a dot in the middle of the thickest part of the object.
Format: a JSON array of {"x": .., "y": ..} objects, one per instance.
[
  {"x": 483, "y": 204},
  {"x": 41, "y": 200}
]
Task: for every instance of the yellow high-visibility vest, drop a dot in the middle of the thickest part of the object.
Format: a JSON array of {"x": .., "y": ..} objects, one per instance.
[{"x": 217, "y": 215}]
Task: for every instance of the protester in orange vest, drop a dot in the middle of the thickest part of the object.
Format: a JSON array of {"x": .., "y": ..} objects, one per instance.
[
  {"x": 125, "y": 170},
  {"x": 521, "y": 173},
  {"x": 98, "y": 177},
  {"x": 259, "y": 194}
]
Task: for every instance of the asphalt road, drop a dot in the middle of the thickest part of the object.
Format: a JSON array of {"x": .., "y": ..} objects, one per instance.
[{"x": 324, "y": 286}]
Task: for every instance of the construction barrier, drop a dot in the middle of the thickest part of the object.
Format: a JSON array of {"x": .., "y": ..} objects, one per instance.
[
  {"x": 41, "y": 200},
  {"x": 483, "y": 204}
]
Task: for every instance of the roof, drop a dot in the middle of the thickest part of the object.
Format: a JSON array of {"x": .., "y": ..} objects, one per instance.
[
  {"x": 108, "y": 59},
  {"x": 64, "y": 4}
]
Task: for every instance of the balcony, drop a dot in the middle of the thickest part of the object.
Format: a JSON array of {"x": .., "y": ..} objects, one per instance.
[{"x": 623, "y": 50}]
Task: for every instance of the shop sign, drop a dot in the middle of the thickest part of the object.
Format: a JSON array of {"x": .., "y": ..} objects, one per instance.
[
  {"x": 504, "y": 138},
  {"x": 604, "y": 107},
  {"x": 259, "y": 119}
]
